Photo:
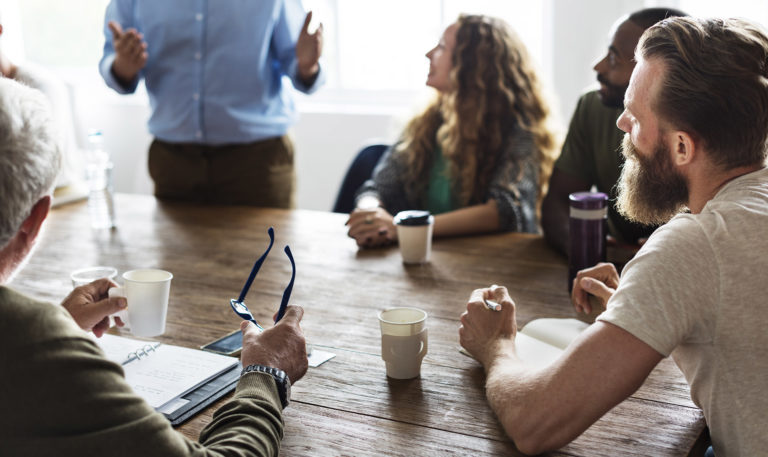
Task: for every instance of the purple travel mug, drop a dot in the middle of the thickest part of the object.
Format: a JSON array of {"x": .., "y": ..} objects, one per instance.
[{"x": 589, "y": 211}]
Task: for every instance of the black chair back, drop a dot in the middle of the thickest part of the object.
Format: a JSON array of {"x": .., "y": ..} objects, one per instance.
[{"x": 359, "y": 171}]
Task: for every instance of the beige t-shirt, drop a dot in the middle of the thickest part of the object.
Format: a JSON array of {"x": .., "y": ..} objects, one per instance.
[{"x": 698, "y": 290}]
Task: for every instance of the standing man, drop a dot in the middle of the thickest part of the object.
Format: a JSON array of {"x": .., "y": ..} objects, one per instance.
[
  {"x": 696, "y": 117},
  {"x": 59, "y": 394},
  {"x": 591, "y": 154},
  {"x": 220, "y": 107}
]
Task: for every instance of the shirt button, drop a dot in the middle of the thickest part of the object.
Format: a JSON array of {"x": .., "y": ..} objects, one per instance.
[
  {"x": 198, "y": 56},
  {"x": 198, "y": 134},
  {"x": 199, "y": 17},
  {"x": 195, "y": 96}
]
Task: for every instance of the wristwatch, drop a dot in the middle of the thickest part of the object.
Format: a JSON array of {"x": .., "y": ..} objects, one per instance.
[{"x": 281, "y": 378}]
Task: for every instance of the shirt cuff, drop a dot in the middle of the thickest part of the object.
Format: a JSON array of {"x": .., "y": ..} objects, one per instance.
[
  {"x": 293, "y": 70},
  {"x": 105, "y": 69},
  {"x": 259, "y": 385}
]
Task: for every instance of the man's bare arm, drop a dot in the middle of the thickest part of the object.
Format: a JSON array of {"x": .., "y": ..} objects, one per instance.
[{"x": 546, "y": 409}]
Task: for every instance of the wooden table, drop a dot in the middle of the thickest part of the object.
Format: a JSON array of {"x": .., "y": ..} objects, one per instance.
[{"x": 348, "y": 406}]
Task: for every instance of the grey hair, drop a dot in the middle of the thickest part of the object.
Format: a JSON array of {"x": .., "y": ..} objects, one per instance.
[{"x": 29, "y": 154}]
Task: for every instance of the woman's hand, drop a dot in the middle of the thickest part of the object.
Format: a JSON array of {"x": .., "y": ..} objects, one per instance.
[{"x": 372, "y": 227}]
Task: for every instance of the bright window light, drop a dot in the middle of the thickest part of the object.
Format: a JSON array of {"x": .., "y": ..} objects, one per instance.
[
  {"x": 752, "y": 10},
  {"x": 63, "y": 34}
]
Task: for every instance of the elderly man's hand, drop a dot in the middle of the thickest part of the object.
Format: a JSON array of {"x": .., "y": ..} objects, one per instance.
[
  {"x": 483, "y": 331},
  {"x": 282, "y": 346},
  {"x": 91, "y": 306}
]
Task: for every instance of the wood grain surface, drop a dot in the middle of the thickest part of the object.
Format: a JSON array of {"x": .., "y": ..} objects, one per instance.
[{"x": 348, "y": 406}]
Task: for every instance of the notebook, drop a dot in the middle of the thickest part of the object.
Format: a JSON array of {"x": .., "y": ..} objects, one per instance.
[
  {"x": 175, "y": 380},
  {"x": 543, "y": 340}
]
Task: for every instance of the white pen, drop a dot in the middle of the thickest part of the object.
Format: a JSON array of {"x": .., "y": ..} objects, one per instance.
[{"x": 492, "y": 305}]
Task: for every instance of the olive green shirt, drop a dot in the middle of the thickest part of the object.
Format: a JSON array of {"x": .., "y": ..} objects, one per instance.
[
  {"x": 592, "y": 153},
  {"x": 60, "y": 396}
]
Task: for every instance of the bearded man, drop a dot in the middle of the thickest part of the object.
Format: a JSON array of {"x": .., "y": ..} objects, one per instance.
[
  {"x": 591, "y": 154},
  {"x": 696, "y": 123}
]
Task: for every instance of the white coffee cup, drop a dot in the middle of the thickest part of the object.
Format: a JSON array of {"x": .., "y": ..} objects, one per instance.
[
  {"x": 147, "y": 292},
  {"x": 87, "y": 275},
  {"x": 414, "y": 235},
  {"x": 403, "y": 341}
]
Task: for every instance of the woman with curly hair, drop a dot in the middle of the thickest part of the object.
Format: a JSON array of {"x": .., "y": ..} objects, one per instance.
[{"x": 479, "y": 155}]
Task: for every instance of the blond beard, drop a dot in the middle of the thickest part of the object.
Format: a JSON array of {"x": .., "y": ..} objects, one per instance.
[{"x": 650, "y": 190}]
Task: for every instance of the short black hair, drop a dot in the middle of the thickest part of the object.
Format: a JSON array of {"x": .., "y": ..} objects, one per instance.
[{"x": 650, "y": 16}]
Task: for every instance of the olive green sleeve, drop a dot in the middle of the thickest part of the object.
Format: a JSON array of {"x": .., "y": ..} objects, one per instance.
[
  {"x": 576, "y": 156},
  {"x": 61, "y": 397},
  {"x": 253, "y": 417}
]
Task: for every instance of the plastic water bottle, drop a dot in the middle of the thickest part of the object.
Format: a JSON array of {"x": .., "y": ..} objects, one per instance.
[
  {"x": 98, "y": 175},
  {"x": 589, "y": 211}
]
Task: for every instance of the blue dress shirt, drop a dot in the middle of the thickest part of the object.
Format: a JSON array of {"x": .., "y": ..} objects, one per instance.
[{"x": 215, "y": 71}]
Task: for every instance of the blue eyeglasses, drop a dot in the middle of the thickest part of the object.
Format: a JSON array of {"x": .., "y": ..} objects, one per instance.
[{"x": 238, "y": 306}]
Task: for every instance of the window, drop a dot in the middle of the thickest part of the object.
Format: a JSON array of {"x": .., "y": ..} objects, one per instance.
[
  {"x": 382, "y": 46},
  {"x": 75, "y": 26},
  {"x": 375, "y": 52},
  {"x": 752, "y": 10}
]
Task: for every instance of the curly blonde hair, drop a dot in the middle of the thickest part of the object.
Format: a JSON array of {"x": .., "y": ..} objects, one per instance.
[{"x": 496, "y": 92}]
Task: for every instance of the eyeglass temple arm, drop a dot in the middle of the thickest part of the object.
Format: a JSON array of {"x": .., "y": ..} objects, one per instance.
[
  {"x": 257, "y": 265},
  {"x": 288, "y": 289}
]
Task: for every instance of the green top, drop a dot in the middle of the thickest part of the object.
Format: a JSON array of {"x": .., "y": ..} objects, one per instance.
[
  {"x": 60, "y": 396},
  {"x": 439, "y": 195},
  {"x": 592, "y": 153}
]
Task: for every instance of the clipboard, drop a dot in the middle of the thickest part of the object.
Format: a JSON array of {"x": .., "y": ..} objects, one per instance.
[
  {"x": 204, "y": 396},
  {"x": 176, "y": 381}
]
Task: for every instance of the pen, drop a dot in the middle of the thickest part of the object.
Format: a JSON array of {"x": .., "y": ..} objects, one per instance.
[{"x": 492, "y": 305}]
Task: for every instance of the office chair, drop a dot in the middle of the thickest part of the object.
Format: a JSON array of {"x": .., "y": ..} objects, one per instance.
[{"x": 359, "y": 171}]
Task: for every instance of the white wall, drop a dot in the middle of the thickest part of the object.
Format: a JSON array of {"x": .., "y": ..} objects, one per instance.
[
  {"x": 123, "y": 123},
  {"x": 325, "y": 144},
  {"x": 580, "y": 37},
  {"x": 328, "y": 135}
]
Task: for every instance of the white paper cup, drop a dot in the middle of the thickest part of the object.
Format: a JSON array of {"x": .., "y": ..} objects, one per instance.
[
  {"x": 414, "y": 235},
  {"x": 403, "y": 341},
  {"x": 147, "y": 293},
  {"x": 87, "y": 275}
]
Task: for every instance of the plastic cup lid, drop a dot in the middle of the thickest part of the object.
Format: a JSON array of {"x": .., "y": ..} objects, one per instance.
[
  {"x": 588, "y": 200},
  {"x": 413, "y": 217}
]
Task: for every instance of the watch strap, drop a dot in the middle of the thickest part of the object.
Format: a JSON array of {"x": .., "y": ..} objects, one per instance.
[{"x": 281, "y": 379}]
